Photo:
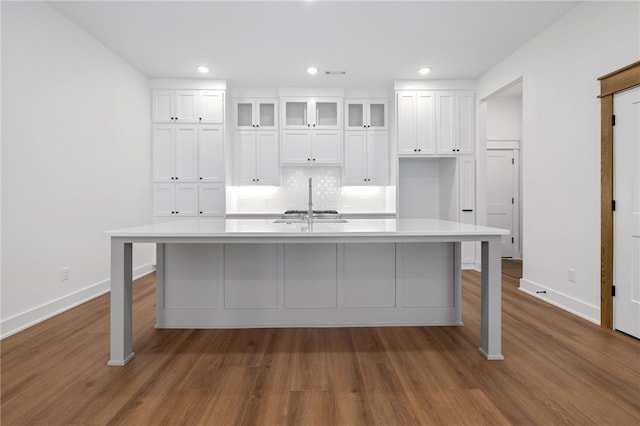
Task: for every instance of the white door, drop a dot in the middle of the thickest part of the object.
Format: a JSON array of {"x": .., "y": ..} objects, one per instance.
[
  {"x": 378, "y": 157},
  {"x": 245, "y": 157},
  {"x": 500, "y": 195},
  {"x": 326, "y": 147},
  {"x": 266, "y": 114},
  {"x": 164, "y": 199},
  {"x": 377, "y": 115},
  {"x": 186, "y": 199},
  {"x": 211, "y": 153},
  {"x": 164, "y": 151},
  {"x": 467, "y": 176},
  {"x": 211, "y": 199},
  {"x": 426, "y": 122},
  {"x": 406, "y": 111},
  {"x": 268, "y": 161},
  {"x": 626, "y": 225},
  {"x": 354, "y": 110},
  {"x": 355, "y": 158},
  {"x": 445, "y": 122},
  {"x": 210, "y": 106},
  {"x": 186, "y": 109},
  {"x": 186, "y": 156},
  {"x": 162, "y": 106},
  {"x": 465, "y": 129},
  {"x": 296, "y": 147}
]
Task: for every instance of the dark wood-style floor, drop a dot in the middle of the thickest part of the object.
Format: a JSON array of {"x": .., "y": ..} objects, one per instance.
[{"x": 558, "y": 369}]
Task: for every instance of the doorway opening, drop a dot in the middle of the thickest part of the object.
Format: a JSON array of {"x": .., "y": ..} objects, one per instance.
[{"x": 503, "y": 172}]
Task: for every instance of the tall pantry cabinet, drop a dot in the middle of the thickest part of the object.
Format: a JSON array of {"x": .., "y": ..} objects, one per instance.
[
  {"x": 188, "y": 153},
  {"x": 435, "y": 135}
]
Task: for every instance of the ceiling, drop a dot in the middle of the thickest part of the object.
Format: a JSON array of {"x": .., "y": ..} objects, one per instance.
[{"x": 270, "y": 44}]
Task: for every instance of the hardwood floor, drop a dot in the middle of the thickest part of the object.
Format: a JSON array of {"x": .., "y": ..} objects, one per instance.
[{"x": 558, "y": 369}]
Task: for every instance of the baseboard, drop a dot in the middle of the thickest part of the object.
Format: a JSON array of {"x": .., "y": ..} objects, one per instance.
[
  {"x": 48, "y": 310},
  {"x": 570, "y": 304}
]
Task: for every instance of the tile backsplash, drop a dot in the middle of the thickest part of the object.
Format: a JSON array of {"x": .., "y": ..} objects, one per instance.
[{"x": 328, "y": 193}]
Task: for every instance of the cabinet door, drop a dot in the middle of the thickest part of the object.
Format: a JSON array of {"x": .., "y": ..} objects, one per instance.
[
  {"x": 267, "y": 161},
  {"x": 211, "y": 106},
  {"x": 164, "y": 153},
  {"x": 266, "y": 114},
  {"x": 378, "y": 157},
  {"x": 211, "y": 153},
  {"x": 186, "y": 199},
  {"x": 406, "y": 111},
  {"x": 164, "y": 197},
  {"x": 162, "y": 106},
  {"x": 211, "y": 199},
  {"x": 186, "y": 155},
  {"x": 355, "y": 114},
  {"x": 355, "y": 157},
  {"x": 296, "y": 147},
  {"x": 326, "y": 147},
  {"x": 426, "y": 122},
  {"x": 244, "y": 143},
  {"x": 327, "y": 113},
  {"x": 377, "y": 114},
  {"x": 465, "y": 118},
  {"x": 186, "y": 109},
  {"x": 446, "y": 122},
  {"x": 295, "y": 113},
  {"x": 244, "y": 114}
]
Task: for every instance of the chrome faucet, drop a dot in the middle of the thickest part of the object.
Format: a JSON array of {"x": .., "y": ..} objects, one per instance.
[{"x": 310, "y": 213}]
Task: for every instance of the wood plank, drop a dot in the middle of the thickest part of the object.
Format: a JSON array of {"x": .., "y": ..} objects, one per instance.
[
  {"x": 558, "y": 369},
  {"x": 606, "y": 212},
  {"x": 620, "y": 79}
]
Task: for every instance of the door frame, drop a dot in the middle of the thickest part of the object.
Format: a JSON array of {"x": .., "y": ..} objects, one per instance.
[{"x": 610, "y": 84}]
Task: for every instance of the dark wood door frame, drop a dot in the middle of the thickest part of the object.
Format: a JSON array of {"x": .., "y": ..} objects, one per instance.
[{"x": 610, "y": 84}]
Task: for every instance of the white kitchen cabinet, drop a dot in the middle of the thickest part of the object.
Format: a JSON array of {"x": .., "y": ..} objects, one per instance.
[
  {"x": 175, "y": 153},
  {"x": 322, "y": 113},
  {"x": 187, "y": 106},
  {"x": 211, "y": 106},
  {"x": 435, "y": 122},
  {"x": 367, "y": 114},
  {"x": 211, "y": 199},
  {"x": 253, "y": 114},
  {"x": 416, "y": 122},
  {"x": 256, "y": 158},
  {"x": 366, "y": 157},
  {"x": 175, "y": 199},
  {"x": 211, "y": 161},
  {"x": 309, "y": 147}
]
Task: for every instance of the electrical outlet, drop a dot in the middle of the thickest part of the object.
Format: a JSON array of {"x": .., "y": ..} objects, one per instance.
[
  {"x": 65, "y": 274},
  {"x": 572, "y": 275}
]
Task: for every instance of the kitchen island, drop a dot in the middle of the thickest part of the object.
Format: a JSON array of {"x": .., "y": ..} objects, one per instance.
[{"x": 231, "y": 273}]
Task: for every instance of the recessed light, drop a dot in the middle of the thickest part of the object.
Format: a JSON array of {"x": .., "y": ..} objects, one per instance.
[
  {"x": 312, "y": 70},
  {"x": 202, "y": 69},
  {"x": 424, "y": 71}
]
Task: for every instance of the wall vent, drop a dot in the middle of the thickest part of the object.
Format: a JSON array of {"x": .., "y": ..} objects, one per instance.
[{"x": 335, "y": 72}]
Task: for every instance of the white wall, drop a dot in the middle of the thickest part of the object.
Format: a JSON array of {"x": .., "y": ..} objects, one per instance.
[
  {"x": 561, "y": 149},
  {"x": 504, "y": 118},
  {"x": 76, "y": 158}
]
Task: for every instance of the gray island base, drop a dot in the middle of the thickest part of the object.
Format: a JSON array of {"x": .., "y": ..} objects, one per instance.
[{"x": 239, "y": 273}]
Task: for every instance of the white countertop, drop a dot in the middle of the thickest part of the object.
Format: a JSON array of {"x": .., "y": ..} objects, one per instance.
[{"x": 229, "y": 228}]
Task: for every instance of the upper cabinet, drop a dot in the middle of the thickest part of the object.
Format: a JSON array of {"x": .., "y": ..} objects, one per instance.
[
  {"x": 435, "y": 122},
  {"x": 187, "y": 106},
  {"x": 256, "y": 114},
  {"x": 365, "y": 114},
  {"x": 324, "y": 113}
]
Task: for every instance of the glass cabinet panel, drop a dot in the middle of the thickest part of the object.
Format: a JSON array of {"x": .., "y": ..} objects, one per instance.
[
  {"x": 295, "y": 113},
  {"x": 267, "y": 114},
  {"x": 244, "y": 117},
  {"x": 355, "y": 114},
  {"x": 377, "y": 116},
  {"x": 326, "y": 114}
]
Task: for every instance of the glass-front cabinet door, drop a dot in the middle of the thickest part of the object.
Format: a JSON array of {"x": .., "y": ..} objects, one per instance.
[
  {"x": 363, "y": 114},
  {"x": 312, "y": 113},
  {"x": 256, "y": 114}
]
